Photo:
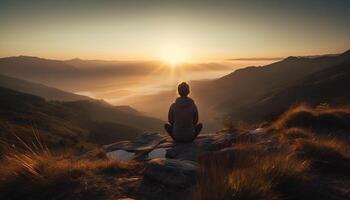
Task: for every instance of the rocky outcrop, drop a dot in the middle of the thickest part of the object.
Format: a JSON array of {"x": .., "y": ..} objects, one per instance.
[
  {"x": 150, "y": 142},
  {"x": 170, "y": 169}
]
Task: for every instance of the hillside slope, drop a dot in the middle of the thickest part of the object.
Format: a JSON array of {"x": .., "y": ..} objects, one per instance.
[
  {"x": 245, "y": 85},
  {"x": 49, "y": 93},
  {"x": 70, "y": 125},
  {"x": 37, "y": 69},
  {"x": 326, "y": 86},
  {"x": 290, "y": 158},
  {"x": 101, "y": 111}
]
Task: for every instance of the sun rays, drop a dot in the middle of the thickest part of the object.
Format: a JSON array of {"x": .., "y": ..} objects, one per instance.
[{"x": 173, "y": 54}]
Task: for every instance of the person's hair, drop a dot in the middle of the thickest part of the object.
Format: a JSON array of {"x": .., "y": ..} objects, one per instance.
[{"x": 183, "y": 89}]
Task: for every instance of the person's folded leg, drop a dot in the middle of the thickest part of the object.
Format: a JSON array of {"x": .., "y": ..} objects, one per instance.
[
  {"x": 197, "y": 130},
  {"x": 169, "y": 130}
]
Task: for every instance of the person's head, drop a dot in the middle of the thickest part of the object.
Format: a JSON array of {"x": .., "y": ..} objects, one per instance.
[{"x": 183, "y": 89}]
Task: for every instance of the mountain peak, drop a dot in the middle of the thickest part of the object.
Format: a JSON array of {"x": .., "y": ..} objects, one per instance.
[
  {"x": 75, "y": 60},
  {"x": 290, "y": 58},
  {"x": 24, "y": 57}
]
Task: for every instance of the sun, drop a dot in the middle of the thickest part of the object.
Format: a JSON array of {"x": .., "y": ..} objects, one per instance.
[{"x": 173, "y": 54}]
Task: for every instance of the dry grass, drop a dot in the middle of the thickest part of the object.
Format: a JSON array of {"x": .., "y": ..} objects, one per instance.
[
  {"x": 266, "y": 177},
  {"x": 295, "y": 133},
  {"x": 34, "y": 173},
  {"x": 300, "y": 166},
  {"x": 294, "y": 169},
  {"x": 325, "y": 154},
  {"x": 237, "y": 127},
  {"x": 320, "y": 119},
  {"x": 302, "y": 127}
]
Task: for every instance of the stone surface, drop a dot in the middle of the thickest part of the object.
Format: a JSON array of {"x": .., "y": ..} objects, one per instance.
[
  {"x": 120, "y": 155},
  {"x": 144, "y": 142},
  {"x": 168, "y": 179},
  {"x": 174, "y": 177},
  {"x": 172, "y": 172},
  {"x": 186, "y": 151},
  {"x": 157, "y": 153},
  {"x": 204, "y": 143}
]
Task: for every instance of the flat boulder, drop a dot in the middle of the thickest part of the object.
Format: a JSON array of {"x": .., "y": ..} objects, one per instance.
[
  {"x": 150, "y": 142},
  {"x": 202, "y": 144},
  {"x": 184, "y": 151},
  {"x": 168, "y": 178},
  {"x": 172, "y": 172},
  {"x": 144, "y": 142}
]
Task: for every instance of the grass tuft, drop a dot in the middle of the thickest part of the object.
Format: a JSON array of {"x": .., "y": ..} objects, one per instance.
[
  {"x": 326, "y": 154},
  {"x": 266, "y": 177},
  {"x": 320, "y": 119},
  {"x": 33, "y": 172}
]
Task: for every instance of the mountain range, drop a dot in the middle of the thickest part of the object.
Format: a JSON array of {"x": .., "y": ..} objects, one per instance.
[
  {"x": 300, "y": 155},
  {"x": 328, "y": 86},
  {"x": 251, "y": 94},
  {"x": 255, "y": 93},
  {"x": 249, "y": 86},
  {"x": 83, "y": 75}
]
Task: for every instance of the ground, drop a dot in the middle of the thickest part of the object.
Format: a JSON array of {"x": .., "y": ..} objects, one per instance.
[{"x": 304, "y": 154}]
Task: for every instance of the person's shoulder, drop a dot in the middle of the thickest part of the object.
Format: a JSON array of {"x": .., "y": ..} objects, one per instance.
[
  {"x": 183, "y": 101},
  {"x": 190, "y": 99}
]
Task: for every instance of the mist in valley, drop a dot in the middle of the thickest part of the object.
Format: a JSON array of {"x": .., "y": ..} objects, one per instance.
[{"x": 148, "y": 86}]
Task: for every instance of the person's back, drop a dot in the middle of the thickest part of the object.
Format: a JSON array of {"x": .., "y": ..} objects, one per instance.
[{"x": 183, "y": 117}]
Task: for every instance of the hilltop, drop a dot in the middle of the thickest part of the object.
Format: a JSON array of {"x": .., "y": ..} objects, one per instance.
[
  {"x": 89, "y": 149},
  {"x": 292, "y": 158}
]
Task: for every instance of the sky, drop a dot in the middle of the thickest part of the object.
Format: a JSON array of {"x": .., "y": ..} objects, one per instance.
[{"x": 173, "y": 30}]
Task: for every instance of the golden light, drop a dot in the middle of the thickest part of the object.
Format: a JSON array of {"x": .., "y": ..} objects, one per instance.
[{"x": 173, "y": 55}]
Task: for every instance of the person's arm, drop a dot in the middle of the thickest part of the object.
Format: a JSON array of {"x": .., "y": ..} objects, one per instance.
[
  {"x": 195, "y": 117},
  {"x": 171, "y": 117}
]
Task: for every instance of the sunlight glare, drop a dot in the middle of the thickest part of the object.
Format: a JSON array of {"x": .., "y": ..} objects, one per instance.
[{"x": 173, "y": 55}]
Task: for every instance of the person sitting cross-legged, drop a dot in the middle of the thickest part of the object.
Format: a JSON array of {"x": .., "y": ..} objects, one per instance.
[{"x": 183, "y": 123}]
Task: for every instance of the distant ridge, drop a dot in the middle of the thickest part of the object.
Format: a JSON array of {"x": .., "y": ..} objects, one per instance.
[
  {"x": 239, "y": 93},
  {"x": 326, "y": 86},
  {"x": 49, "y": 93},
  {"x": 255, "y": 59}
]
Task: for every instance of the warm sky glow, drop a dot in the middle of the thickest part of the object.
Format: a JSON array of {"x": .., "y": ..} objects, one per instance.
[
  {"x": 173, "y": 54},
  {"x": 199, "y": 30}
]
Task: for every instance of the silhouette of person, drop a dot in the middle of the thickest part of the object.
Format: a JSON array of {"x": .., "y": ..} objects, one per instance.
[{"x": 183, "y": 117}]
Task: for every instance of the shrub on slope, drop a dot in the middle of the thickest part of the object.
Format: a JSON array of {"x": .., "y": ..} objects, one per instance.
[{"x": 319, "y": 119}]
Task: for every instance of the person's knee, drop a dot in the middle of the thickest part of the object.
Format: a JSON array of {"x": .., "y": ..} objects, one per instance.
[
  {"x": 168, "y": 128},
  {"x": 199, "y": 127}
]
